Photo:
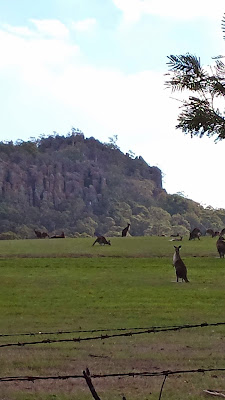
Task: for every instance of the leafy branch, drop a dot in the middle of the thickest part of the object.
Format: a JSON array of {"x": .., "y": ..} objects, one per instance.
[{"x": 199, "y": 116}]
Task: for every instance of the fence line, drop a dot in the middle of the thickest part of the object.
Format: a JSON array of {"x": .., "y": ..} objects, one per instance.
[
  {"x": 61, "y": 332},
  {"x": 203, "y": 324},
  {"x": 132, "y": 374},
  {"x": 115, "y": 335}
]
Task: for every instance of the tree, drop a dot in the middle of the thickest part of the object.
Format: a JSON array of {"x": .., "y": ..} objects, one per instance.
[
  {"x": 113, "y": 142},
  {"x": 199, "y": 116}
]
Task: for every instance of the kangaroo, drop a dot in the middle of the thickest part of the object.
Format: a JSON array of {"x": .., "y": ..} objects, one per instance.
[
  {"x": 220, "y": 245},
  {"x": 181, "y": 270},
  {"x": 210, "y": 232},
  {"x": 37, "y": 233},
  {"x": 222, "y": 232},
  {"x": 44, "y": 235},
  {"x": 102, "y": 241},
  {"x": 125, "y": 230},
  {"x": 58, "y": 236},
  {"x": 177, "y": 239},
  {"x": 195, "y": 234}
]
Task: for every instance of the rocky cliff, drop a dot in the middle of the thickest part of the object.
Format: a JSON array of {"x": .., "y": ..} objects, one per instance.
[
  {"x": 57, "y": 173},
  {"x": 68, "y": 169}
]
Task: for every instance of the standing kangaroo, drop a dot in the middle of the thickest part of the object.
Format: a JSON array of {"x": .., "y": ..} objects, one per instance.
[
  {"x": 220, "y": 245},
  {"x": 181, "y": 270},
  {"x": 125, "y": 230}
]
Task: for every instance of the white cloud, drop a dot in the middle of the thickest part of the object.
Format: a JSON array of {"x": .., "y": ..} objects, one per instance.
[
  {"x": 18, "y": 30},
  {"x": 51, "y": 27},
  {"x": 116, "y": 101},
  {"x": 134, "y": 9},
  {"x": 33, "y": 53},
  {"x": 136, "y": 107},
  {"x": 85, "y": 25}
]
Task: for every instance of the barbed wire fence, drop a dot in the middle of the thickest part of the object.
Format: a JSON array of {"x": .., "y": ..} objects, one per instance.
[
  {"x": 164, "y": 373},
  {"x": 60, "y": 332},
  {"x": 86, "y": 374},
  {"x": 113, "y": 335}
]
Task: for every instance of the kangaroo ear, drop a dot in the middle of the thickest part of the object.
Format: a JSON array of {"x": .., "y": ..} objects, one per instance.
[{"x": 179, "y": 247}]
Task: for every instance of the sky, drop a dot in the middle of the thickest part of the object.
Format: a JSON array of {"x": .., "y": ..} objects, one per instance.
[{"x": 99, "y": 66}]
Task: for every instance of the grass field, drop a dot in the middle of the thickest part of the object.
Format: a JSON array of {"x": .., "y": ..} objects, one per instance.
[
  {"x": 57, "y": 285},
  {"x": 121, "y": 247}
]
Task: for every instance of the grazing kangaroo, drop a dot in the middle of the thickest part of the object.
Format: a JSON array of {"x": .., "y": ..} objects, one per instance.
[
  {"x": 220, "y": 245},
  {"x": 125, "y": 230},
  {"x": 41, "y": 235},
  {"x": 58, "y": 236},
  {"x": 102, "y": 241},
  {"x": 195, "y": 234},
  {"x": 181, "y": 270},
  {"x": 210, "y": 232},
  {"x": 37, "y": 233},
  {"x": 44, "y": 235}
]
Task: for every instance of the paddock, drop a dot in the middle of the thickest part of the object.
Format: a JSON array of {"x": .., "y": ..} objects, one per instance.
[{"x": 105, "y": 292}]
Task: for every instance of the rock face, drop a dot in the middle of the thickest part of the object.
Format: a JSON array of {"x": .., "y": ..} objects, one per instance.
[
  {"x": 73, "y": 184},
  {"x": 69, "y": 169}
]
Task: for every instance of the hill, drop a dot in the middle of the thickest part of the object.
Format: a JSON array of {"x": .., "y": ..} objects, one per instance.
[{"x": 82, "y": 187}]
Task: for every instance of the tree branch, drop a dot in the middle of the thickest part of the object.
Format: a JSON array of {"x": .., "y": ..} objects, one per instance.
[{"x": 87, "y": 377}]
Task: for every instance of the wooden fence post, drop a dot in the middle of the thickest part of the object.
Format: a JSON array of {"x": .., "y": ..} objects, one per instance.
[{"x": 87, "y": 377}]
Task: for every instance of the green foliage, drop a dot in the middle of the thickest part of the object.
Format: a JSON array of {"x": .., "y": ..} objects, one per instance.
[
  {"x": 178, "y": 219},
  {"x": 139, "y": 209},
  {"x": 139, "y": 224},
  {"x": 198, "y": 117},
  {"x": 106, "y": 226},
  {"x": 86, "y": 226},
  {"x": 9, "y": 236},
  {"x": 193, "y": 219},
  {"x": 113, "y": 142}
]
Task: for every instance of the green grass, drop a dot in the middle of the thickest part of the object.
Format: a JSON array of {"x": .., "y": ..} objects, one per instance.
[
  {"x": 61, "y": 292},
  {"x": 122, "y": 289},
  {"x": 121, "y": 247}
]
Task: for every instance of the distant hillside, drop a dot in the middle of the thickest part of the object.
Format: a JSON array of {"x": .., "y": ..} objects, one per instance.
[{"x": 83, "y": 187}]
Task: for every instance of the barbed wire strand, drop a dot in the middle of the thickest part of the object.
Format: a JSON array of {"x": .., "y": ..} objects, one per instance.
[
  {"x": 115, "y": 335},
  {"x": 132, "y": 374},
  {"x": 60, "y": 332},
  {"x": 84, "y": 331}
]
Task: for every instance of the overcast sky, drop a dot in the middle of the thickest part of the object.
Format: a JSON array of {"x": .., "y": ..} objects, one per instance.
[{"x": 99, "y": 65}]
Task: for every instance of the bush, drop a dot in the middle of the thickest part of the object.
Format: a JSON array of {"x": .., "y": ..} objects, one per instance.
[{"x": 9, "y": 236}]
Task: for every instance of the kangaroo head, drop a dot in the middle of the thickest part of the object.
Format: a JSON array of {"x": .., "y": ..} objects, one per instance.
[{"x": 177, "y": 248}]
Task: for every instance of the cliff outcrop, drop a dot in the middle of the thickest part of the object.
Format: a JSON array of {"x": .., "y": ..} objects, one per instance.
[
  {"x": 66, "y": 174},
  {"x": 80, "y": 167},
  {"x": 83, "y": 187}
]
